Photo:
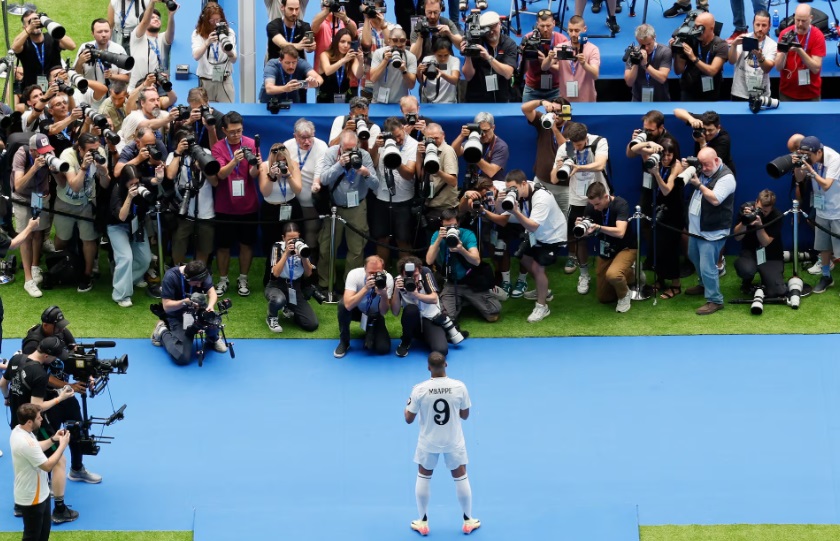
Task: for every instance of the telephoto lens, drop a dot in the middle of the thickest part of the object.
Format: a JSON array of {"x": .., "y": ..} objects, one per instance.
[
  {"x": 453, "y": 236},
  {"x": 757, "y": 306},
  {"x": 639, "y": 138},
  {"x": 362, "y": 131},
  {"x": 302, "y": 249},
  {"x": 510, "y": 200},
  {"x": 144, "y": 192},
  {"x": 565, "y": 170},
  {"x": 582, "y": 227},
  {"x": 547, "y": 120}
]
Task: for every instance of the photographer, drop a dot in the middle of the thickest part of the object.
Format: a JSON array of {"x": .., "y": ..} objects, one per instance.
[
  {"x": 215, "y": 53},
  {"x": 432, "y": 27},
  {"x": 176, "y": 333},
  {"x": 443, "y": 86},
  {"x": 309, "y": 151},
  {"x": 495, "y": 151},
  {"x": 670, "y": 209},
  {"x": 63, "y": 122},
  {"x": 7, "y": 244},
  {"x": 290, "y": 29},
  {"x": 76, "y": 191},
  {"x": 327, "y": 22},
  {"x": 123, "y": 18},
  {"x": 607, "y": 216},
  {"x": 393, "y": 70},
  {"x": 367, "y": 294},
  {"x": 146, "y": 153},
  {"x": 799, "y": 58},
  {"x": 359, "y": 107},
  {"x": 341, "y": 69},
  {"x": 289, "y": 268},
  {"x": 415, "y": 292},
  {"x": 710, "y": 217},
  {"x": 489, "y": 73},
  {"x": 95, "y": 69},
  {"x": 761, "y": 249},
  {"x": 439, "y": 190},
  {"x": 149, "y": 115},
  {"x": 34, "y": 102},
  {"x": 707, "y": 132},
  {"x": 391, "y": 219},
  {"x": 415, "y": 123},
  {"x": 467, "y": 279},
  {"x": 542, "y": 76},
  {"x": 36, "y": 50},
  {"x": 646, "y": 71},
  {"x": 31, "y": 180},
  {"x": 348, "y": 188},
  {"x": 578, "y": 75},
  {"x": 752, "y": 68},
  {"x": 114, "y": 105},
  {"x": 150, "y": 52},
  {"x": 535, "y": 208},
  {"x": 822, "y": 165},
  {"x": 700, "y": 64},
  {"x": 376, "y": 33},
  {"x": 285, "y": 76},
  {"x": 280, "y": 185},
  {"x": 548, "y": 141}
]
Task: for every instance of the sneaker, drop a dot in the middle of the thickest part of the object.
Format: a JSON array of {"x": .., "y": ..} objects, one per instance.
[
  {"x": 824, "y": 283},
  {"x": 499, "y": 293},
  {"x": 676, "y": 10},
  {"x": 68, "y": 515},
  {"x": 583, "y": 284},
  {"x": 624, "y": 303},
  {"x": 618, "y": 6},
  {"x": 142, "y": 284},
  {"x": 815, "y": 269},
  {"x": 735, "y": 36},
  {"x": 571, "y": 265},
  {"x": 84, "y": 475},
  {"x": 125, "y": 303},
  {"x": 86, "y": 284},
  {"x": 157, "y": 333},
  {"x": 596, "y": 6},
  {"x": 37, "y": 275},
  {"x": 273, "y": 324},
  {"x": 341, "y": 349},
  {"x": 32, "y": 288},
  {"x": 506, "y": 287},
  {"x": 242, "y": 287},
  {"x": 218, "y": 344},
  {"x": 539, "y": 313},
  {"x": 470, "y": 525},
  {"x": 709, "y": 308},
  {"x": 519, "y": 289},
  {"x": 420, "y": 526},
  {"x": 402, "y": 349},
  {"x": 222, "y": 286},
  {"x": 532, "y": 295},
  {"x": 18, "y": 511},
  {"x": 48, "y": 246},
  {"x": 721, "y": 267}
]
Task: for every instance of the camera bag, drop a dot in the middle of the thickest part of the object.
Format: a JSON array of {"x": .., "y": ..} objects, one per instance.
[{"x": 820, "y": 21}]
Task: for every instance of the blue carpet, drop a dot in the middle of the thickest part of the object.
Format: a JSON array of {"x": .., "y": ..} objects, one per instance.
[{"x": 706, "y": 430}]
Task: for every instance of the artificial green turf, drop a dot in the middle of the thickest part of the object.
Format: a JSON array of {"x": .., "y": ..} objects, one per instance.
[{"x": 742, "y": 532}]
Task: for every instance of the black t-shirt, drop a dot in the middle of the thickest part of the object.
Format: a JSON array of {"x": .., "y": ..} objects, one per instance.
[
  {"x": 291, "y": 35},
  {"x": 139, "y": 206},
  {"x": 62, "y": 140},
  {"x": 29, "y": 378},
  {"x": 774, "y": 251},
  {"x": 36, "y": 334},
  {"x": 30, "y": 59},
  {"x": 202, "y": 132},
  {"x": 176, "y": 287},
  {"x": 506, "y": 53},
  {"x": 691, "y": 81},
  {"x": 721, "y": 144},
  {"x": 618, "y": 211}
]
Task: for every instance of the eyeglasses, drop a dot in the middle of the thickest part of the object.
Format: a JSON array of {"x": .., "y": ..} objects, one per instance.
[
  {"x": 304, "y": 137},
  {"x": 398, "y": 40}
]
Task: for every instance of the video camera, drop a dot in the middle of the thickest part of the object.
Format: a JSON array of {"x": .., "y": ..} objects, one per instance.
[
  {"x": 424, "y": 28},
  {"x": 108, "y": 58},
  {"x": 688, "y": 32},
  {"x": 204, "y": 319},
  {"x": 84, "y": 363},
  {"x": 788, "y": 42},
  {"x": 633, "y": 54},
  {"x": 531, "y": 45},
  {"x": 372, "y": 7},
  {"x": 474, "y": 33}
]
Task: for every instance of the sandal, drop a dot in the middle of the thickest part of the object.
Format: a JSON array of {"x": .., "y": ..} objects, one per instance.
[{"x": 671, "y": 292}]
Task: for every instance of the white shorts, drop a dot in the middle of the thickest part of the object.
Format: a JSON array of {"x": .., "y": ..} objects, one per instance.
[{"x": 429, "y": 460}]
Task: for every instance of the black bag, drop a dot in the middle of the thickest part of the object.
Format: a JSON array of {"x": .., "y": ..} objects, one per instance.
[
  {"x": 480, "y": 278},
  {"x": 545, "y": 254},
  {"x": 63, "y": 268},
  {"x": 820, "y": 21},
  {"x": 322, "y": 200}
]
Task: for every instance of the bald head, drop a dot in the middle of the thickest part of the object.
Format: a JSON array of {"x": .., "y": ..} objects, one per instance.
[
  {"x": 709, "y": 161},
  {"x": 802, "y": 18},
  {"x": 793, "y": 142},
  {"x": 707, "y": 21}
]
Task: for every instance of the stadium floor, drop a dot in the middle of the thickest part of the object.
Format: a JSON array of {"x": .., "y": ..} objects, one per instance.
[{"x": 568, "y": 438}]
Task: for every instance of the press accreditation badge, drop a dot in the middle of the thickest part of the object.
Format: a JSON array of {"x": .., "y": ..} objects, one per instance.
[
  {"x": 218, "y": 74},
  {"x": 42, "y": 82},
  {"x": 804, "y": 77},
  {"x": 694, "y": 206},
  {"x": 135, "y": 225},
  {"x": 292, "y": 296},
  {"x": 532, "y": 238},
  {"x": 339, "y": 98},
  {"x": 604, "y": 248},
  {"x": 383, "y": 94},
  {"x": 492, "y": 82},
  {"x": 37, "y": 201},
  {"x": 285, "y": 213},
  {"x": 755, "y": 82},
  {"x": 647, "y": 181},
  {"x": 188, "y": 319},
  {"x": 571, "y": 89},
  {"x": 352, "y": 199},
  {"x": 708, "y": 83},
  {"x": 819, "y": 201},
  {"x": 237, "y": 188},
  {"x": 647, "y": 93},
  {"x": 760, "y": 256},
  {"x": 545, "y": 81}
]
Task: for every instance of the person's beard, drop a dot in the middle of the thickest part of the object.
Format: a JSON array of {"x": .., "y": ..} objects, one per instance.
[{"x": 153, "y": 30}]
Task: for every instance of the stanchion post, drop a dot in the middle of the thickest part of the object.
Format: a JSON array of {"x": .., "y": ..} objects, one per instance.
[
  {"x": 331, "y": 282},
  {"x": 638, "y": 292},
  {"x": 796, "y": 237}
]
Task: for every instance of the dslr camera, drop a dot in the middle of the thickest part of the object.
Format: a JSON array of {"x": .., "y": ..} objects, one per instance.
[
  {"x": 275, "y": 105},
  {"x": 355, "y": 159},
  {"x": 632, "y": 54},
  {"x": 453, "y": 234},
  {"x": 372, "y": 7},
  {"x": 409, "y": 283},
  {"x": 334, "y": 5},
  {"x": 380, "y": 279},
  {"x": 511, "y": 199},
  {"x": 224, "y": 38},
  {"x": 108, "y": 58},
  {"x": 582, "y": 227},
  {"x": 163, "y": 80},
  {"x": 759, "y": 101}
]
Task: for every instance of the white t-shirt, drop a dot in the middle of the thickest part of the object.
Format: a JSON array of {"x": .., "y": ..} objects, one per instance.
[
  {"x": 438, "y": 403},
  {"x": 310, "y": 170},
  {"x": 213, "y": 56},
  {"x": 391, "y": 83},
  {"x": 831, "y": 210},
  {"x": 31, "y": 486},
  {"x": 88, "y": 98},
  {"x": 439, "y": 90},
  {"x": 404, "y": 187},
  {"x": 128, "y": 131},
  {"x": 744, "y": 69},
  {"x": 281, "y": 192},
  {"x": 500, "y": 189},
  {"x": 24, "y": 118},
  {"x": 205, "y": 193},
  {"x": 149, "y": 54},
  {"x": 546, "y": 212},
  {"x": 355, "y": 282},
  {"x": 580, "y": 182},
  {"x": 338, "y": 124},
  {"x": 96, "y": 71},
  {"x": 131, "y": 20}
]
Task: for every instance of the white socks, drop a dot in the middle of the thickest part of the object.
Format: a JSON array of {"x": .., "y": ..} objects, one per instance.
[
  {"x": 506, "y": 276},
  {"x": 464, "y": 493},
  {"x": 423, "y": 492},
  {"x": 523, "y": 277}
]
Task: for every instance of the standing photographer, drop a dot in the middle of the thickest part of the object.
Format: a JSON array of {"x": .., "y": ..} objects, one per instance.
[
  {"x": 438, "y": 74},
  {"x": 290, "y": 266},
  {"x": 708, "y": 132},
  {"x": 415, "y": 291},
  {"x": 439, "y": 190},
  {"x": 646, "y": 72},
  {"x": 176, "y": 332},
  {"x": 148, "y": 115},
  {"x": 37, "y": 52},
  {"x": 495, "y": 151},
  {"x": 431, "y": 28},
  {"x": 752, "y": 68},
  {"x": 289, "y": 28},
  {"x": 799, "y": 58},
  {"x": 542, "y": 76},
  {"x": 578, "y": 75},
  {"x": 367, "y": 293},
  {"x": 280, "y": 185},
  {"x": 150, "y": 52},
  {"x": 284, "y": 77},
  {"x": 95, "y": 69},
  {"x": 214, "y": 47},
  {"x": 489, "y": 72},
  {"x": 761, "y": 247},
  {"x": 700, "y": 64},
  {"x": 393, "y": 70}
]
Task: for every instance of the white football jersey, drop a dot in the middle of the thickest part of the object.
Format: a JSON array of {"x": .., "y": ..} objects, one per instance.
[{"x": 438, "y": 403}]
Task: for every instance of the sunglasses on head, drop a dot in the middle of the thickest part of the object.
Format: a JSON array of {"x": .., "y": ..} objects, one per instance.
[{"x": 544, "y": 13}]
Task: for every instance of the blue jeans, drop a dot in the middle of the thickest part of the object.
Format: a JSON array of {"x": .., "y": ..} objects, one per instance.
[
  {"x": 529, "y": 94},
  {"x": 738, "y": 15},
  {"x": 131, "y": 261},
  {"x": 704, "y": 254}
]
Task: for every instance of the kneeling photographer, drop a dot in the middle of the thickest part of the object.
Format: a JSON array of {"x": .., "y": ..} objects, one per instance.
[
  {"x": 466, "y": 277},
  {"x": 180, "y": 320},
  {"x": 415, "y": 292},
  {"x": 367, "y": 292},
  {"x": 290, "y": 265},
  {"x": 761, "y": 247}
]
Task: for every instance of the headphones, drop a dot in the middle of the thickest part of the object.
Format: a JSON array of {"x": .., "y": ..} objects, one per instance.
[
  {"x": 53, "y": 314},
  {"x": 199, "y": 276}
]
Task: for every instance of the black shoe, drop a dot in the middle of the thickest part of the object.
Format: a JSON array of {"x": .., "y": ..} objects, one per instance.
[
  {"x": 341, "y": 349},
  {"x": 824, "y": 283},
  {"x": 402, "y": 349},
  {"x": 746, "y": 287},
  {"x": 613, "y": 25},
  {"x": 596, "y": 6},
  {"x": 68, "y": 515},
  {"x": 85, "y": 284},
  {"x": 676, "y": 10},
  {"x": 618, "y": 7}
]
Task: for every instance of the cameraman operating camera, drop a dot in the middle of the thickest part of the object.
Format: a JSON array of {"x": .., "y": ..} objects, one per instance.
[
  {"x": 646, "y": 69},
  {"x": 37, "y": 52},
  {"x": 488, "y": 73},
  {"x": 700, "y": 63},
  {"x": 761, "y": 247},
  {"x": 290, "y": 267},
  {"x": 176, "y": 332},
  {"x": 430, "y": 27},
  {"x": 415, "y": 292},
  {"x": 367, "y": 293},
  {"x": 799, "y": 58}
]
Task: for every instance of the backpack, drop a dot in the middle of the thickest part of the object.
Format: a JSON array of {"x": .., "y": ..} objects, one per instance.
[
  {"x": 63, "y": 268},
  {"x": 570, "y": 151},
  {"x": 820, "y": 21}
]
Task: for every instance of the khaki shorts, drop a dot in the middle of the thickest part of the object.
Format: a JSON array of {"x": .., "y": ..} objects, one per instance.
[
  {"x": 64, "y": 224},
  {"x": 22, "y": 212}
]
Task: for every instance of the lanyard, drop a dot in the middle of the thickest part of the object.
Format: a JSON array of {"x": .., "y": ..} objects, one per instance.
[
  {"x": 283, "y": 188},
  {"x": 650, "y": 63},
  {"x": 231, "y": 157},
  {"x": 154, "y": 44},
  {"x": 200, "y": 133},
  {"x": 290, "y": 262},
  {"x": 39, "y": 52},
  {"x": 489, "y": 151},
  {"x": 607, "y": 217},
  {"x": 580, "y": 157},
  {"x": 124, "y": 14},
  {"x": 554, "y": 145},
  {"x": 708, "y": 54},
  {"x": 526, "y": 208},
  {"x": 215, "y": 49},
  {"x": 302, "y": 161},
  {"x": 351, "y": 176},
  {"x": 804, "y": 48},
  {"x": 282, "y": 74},
  {"x": 664, "y": 172},
  {"x": 339, "y": 75},
  {"x": 820, "y": 169},
  {"x": 286, "y": 33}
]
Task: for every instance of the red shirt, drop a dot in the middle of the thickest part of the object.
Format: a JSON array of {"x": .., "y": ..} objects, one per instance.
[
  {"x": 814, "y": 44},
  {"x": 533, "y": 69},
  {"x": 225, "y": 202}
]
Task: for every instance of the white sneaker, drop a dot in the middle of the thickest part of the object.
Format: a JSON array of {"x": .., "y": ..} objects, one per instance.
[
  {"x": 540, "y": 312},
  {"x": 273, "y": 324},
  {"x": 218, "y": 345},
  {"x": 816, "y": 269},
  {"x": 222, "y": 286},
  {"x": 32, "y": 288},
  {"x": 499, "y": 293},
  {"x": 37, "y": 275},
  {"x": 583, "y": 284},
  {"x": 242, "y": 287},
  {"x": 159, "y": 328},
  {"x": 48, "y": 246},
  {"x": 532, "y": 295},
  {"x": 142, "y": 284},
  {"x": 624, "y": 303},
  {"x": 125, "y": 303}
]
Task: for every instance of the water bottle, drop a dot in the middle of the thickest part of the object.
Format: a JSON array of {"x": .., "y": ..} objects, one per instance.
[{"x": 775, "y": 18}]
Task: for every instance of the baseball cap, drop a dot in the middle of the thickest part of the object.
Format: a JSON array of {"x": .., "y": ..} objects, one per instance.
[
  {"x": 52, "y": 345},
  {"x": 40, "y": 143},
  {"x": 810, "y": 144},
  {"x": 54, "y": 315},
  {"x": 488, "y": 19}
]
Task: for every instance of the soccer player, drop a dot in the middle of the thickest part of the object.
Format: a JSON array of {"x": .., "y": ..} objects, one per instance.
[{"x": 441, "y": 402}]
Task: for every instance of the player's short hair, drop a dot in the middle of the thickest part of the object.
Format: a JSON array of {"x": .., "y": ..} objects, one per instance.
[
  {"x": 27, "y": 412},
  {"x": 437, "y": 360}
]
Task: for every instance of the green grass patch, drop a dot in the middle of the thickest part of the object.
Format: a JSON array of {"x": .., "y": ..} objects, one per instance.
[{"x": 743, "y": 532}]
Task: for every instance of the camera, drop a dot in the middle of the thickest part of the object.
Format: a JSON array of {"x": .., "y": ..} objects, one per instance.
[
  {"x": 749, "y": 213},
  {"x": 145, "y": 193},
  {"x": 163, "y": 80},
  {"x": 111, "y": 136},
  {"x": 424, "y": 28},
  {"x": 8, "y": 268},
  {"x": 334, "y": 5},
  {"x": 390, "y": 152},
  {"x": 180, "y": 113},
  {"x": 250, "y": 157},
  {"x": 432, "y": 71},
  {"x": 362, "y": 131},
  {"x": 688, "y": 32},
  {"x": 565, "y": 170},
  {"x": 794, "y": 286},
  {"x": 302, "y": 249},
  {"x": 409, "y": 283},
  {"x": 396, "y": 59},
  {"x": 476, "y": 205},
  {"x": 474, "y": 34},
  {"x": 565, "y": 53},
  {"x": 511, "y": 199},
  {"x": 380, "y": 280},
  {"x": 757, "y": 306},
  {"x": 547, "y": 120},
  {"x": 697, "y": 133},
  {"x": 108, "y": 58},
  {"x": 78, "y": 81},
  {"x": 97, "y": 157},
  {"x": 687, "y": 174},
  {"x": 788, "y": 42},
  {"x": 452, "y": 332},
  {"x": 411, "y": 118},
  {"x": 275, "y": 105},
  {"x": 453, "y": 234},
  {"x": 372, "y": 7},
  {"x": 582, "y": 227},
  {"x": 652, "y": 161},
  {"x": 207, "y": 115},
  {"x": 56, "y": 165},
  {"x": 63, "y": 86},
  {"x": 224, "y": 38},
  {"x": 203, "y": 157},
  {"x": 355, "y": 159},
  {"x": 531, "y": 45},
  {"x": 759, "y": 101},
  {"x": 154, "y": 152},
  {"x": 632, "y": 54},
  {"x": 97, "y": 119},
  {"x": 639, "y": 138},
  {"x": 786, "y": 163},
  {"x": 171, "y": 5},
  {"x": 473, "y": 149},
  {"x": 5, "y": 63},
  {"x": 56, "y": 30},
  {"x": 431, "y": 160}
]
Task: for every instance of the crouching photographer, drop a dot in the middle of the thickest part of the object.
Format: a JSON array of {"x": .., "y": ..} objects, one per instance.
[
  {"x": 290, "y": 266},
  {"x": 760, "y": 231},
  {"x": 467, "y": 278},
  {"x": 367, "y": 291},
  {"x": 179, "y": 318},
  {"x": 415, "y": 292}
]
